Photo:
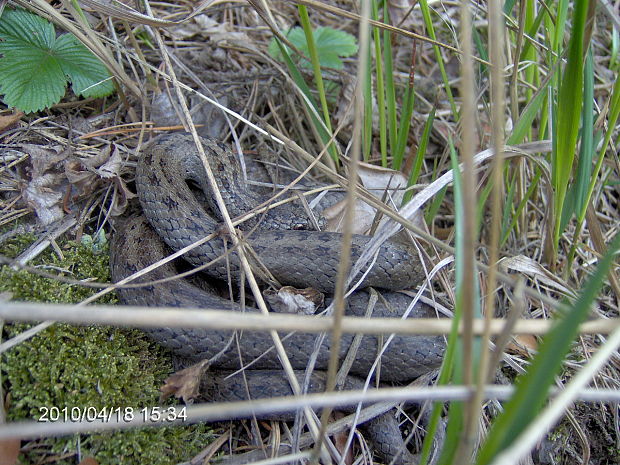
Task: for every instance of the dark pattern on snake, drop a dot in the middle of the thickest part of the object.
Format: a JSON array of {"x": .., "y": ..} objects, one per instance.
[{"x": 180, "y": 220}]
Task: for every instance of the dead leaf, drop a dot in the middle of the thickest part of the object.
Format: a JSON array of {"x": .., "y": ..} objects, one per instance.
[
  {"x": 94, "y": 158},
  {"x": 289, "y": 299},
  {"x": 9, "y": 451},
  {"x": 83, "y": 180},
  {"x": 185, "y": 384},
  {"x": 45, "y": 190},
  {"x": 523, "y": 344},
  {"x": 7, "y": 121},
  {"x": 89, "y": 461},
  {"x": 379, "y": 180},
  {"x": 44, "y": 159},
  {"x": 340, "y": 441},
  {"x": 44, "y": 199},
  {"x": 363, "y": 217},
  {"x": 384, "y": 183},
  {"x": 205, "y": 26},
  {"x": 535, "y": 270},
  {"x": 122, "y": 197}
]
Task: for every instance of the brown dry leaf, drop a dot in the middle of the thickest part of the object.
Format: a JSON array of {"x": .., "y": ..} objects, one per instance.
[
  {"x": 7, "y": 121},
  {"x": 340, "y": 441},
  {"x": 9, "y": 451},
  {"x": 523, "y": 344},
  {"x": 112, "y": 167},
  {"x": 122, "y": 197},
  {"x": 205, "y": 26},
  {"x": 44, "y": 159},
  {"x": 45, "y": 191},
  {"x": 43, "y": 196},
  {"x": 378, "y": 181},
  {"x": 85, "y": 173},
  {"x": 289, "y": 299},
  {"x": 95, "y": 159},
  {"x": 535, "y": 270},
  {"x": 362, "y": 219},
  {"x": 185, "y": 384},
  {"x": 89, "y": 461},
  {"x": 83, "y": 180}
]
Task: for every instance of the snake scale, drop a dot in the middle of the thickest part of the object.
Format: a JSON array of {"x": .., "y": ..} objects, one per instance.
[{"x": 293, "y": 254}]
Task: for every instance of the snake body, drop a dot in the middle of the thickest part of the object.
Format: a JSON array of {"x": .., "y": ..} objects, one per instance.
[{"x": 294, "y": 257}]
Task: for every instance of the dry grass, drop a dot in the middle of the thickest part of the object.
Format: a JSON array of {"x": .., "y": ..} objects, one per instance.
[{"x": 222, "y": 56}]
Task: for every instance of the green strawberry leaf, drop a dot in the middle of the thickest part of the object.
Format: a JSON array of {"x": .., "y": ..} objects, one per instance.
[
  {"x": 331, "y": 45},
  {"x": 89, "y": 78},
  {"x": 35, "y": 64}
]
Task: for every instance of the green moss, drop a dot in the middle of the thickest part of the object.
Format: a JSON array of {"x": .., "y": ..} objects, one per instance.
[
  {"x": 100, "y": 367},
  {"x": 78, "y": 262}
]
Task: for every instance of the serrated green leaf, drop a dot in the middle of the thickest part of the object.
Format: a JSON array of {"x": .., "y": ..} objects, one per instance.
[
  {"x": 331, "y": 45},
  {"x": 30, "y": 77},
  {"x": 19, "y": 27},
  {"x": 35, "y": 64},
  {"x": 89, "y": 78},
  {"x": 31, "y": 88},
  {"x": 340, "y": 41}
]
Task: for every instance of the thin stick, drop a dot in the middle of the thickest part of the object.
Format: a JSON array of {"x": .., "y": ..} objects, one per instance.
[
  {"x": 228, "y": 410},
  {"x": 219, "y": 320},
  {"x": 496, "y": 42},
  {"x": 468, "y": 232}
]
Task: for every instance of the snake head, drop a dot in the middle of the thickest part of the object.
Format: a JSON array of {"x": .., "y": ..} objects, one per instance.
[
  {"x": 302, "y": 222},
  {"x": 307, "y": 224}
]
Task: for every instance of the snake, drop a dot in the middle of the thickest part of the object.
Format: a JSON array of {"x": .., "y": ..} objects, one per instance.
[{"x": 173, "y": 216}]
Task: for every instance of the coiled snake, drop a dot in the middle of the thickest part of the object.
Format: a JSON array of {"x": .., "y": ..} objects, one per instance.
[{"x": 293, "y": 256}]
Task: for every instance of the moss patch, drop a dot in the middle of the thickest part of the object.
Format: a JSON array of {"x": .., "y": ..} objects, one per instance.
[{"x": 99, "y": 367}]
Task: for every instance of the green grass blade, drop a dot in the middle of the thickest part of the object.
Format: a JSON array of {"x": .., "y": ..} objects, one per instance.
[
  {"x": 559, "y": 27},
  {"x": 308, "y": 99},
  {"x": 507, "y": 214},
  {"x": 508, "y": 6},
  {"x": 390, "y": 93},
  {"x": 531, "y": 32},
  {"x": 615, "y": 48},
  {"x": 526, "y": 198},
  {"x": 452, "y": 359},
  {"x": 614, "y": 113},
  {"x": 533, "y": 386},
  {"x": 433, "y": 207},
  {"x": 417, "y": 166},
  {"x": 568, "y": 115},
  {"x": 316, "y": 65},
  {"x": 428, "y": 23},
  {"x": 524, "y": 123},
  {"x": 376, "y": 36},
  {"x": 405, "y": 120},
  {"x": 579, "y": 187},
  {"x": 367, "y": 140},
  {"x": 482, "y": 50},
  {"x": 456, "y": 409}
]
